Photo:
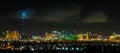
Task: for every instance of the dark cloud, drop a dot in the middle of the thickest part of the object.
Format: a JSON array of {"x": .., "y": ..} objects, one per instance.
[
  {"x": 18, "y": 14},
  {"x": 59, "y": 13},
  {"x": 96, "y": 17},
  {"x": 64, "y": 11}
]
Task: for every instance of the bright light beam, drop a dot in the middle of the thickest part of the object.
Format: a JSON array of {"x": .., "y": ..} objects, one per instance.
[{"x": 24, "y": 15}]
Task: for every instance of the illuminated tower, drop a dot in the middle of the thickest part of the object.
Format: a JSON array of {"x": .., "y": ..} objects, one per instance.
[
  {"x": 23, "y": 22},
  {"x": 23, "y": 15},
  {"x": 46, "y": 33},
  {"x": 63, "y": 34}
]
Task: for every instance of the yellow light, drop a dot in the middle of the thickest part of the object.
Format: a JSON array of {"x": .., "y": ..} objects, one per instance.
[
  {"x": 12, "y": 34},
  {"x": 112, "y": 37}
]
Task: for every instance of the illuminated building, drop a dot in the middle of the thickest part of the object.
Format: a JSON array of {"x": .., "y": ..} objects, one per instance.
[
  {"x": 9, "y": 46},
  {"x": 12, "y": 35},
  {"x": 99, "y": 37},
  {"x": 56, "y": 37},
  {"x": 79, "y": 37},
  {"x": 3, "y": 33},
  {"x": 117, "y": 36},
  {"x": 112, "y": 37},
  {"x": 114, "y": 33},
  {"x": 46, "y": 33},
  {"x": 36, "y": 37},
  {"x": 55, "y": 33},
  {"x": 43, "y": 36},
  {"x": 90, "y": 35},
  {"x": 60, "y": 36},
  {"x": 87, "y": 36},
  {"x": 49, "y": 37},
  {"x": 94, "y": 35},
  {"x": 67, "y": 33},
  {"x": 63, "y": 34},
  {"x": 74, "y": 33},
  {"x": 71, "y": 37},
  {"x": 82, "y": 36}
]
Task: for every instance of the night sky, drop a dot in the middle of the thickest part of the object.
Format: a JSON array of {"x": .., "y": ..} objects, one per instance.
[{"x": 48, "y": 15}]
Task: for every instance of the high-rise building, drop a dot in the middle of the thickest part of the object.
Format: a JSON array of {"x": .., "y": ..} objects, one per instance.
[
  {"x": 36, "y": 37},
  {"x": 67, "y": 33},
  {"x": 55, "y": 33},
  {"x": 12, "y": 34},
  {"x": 82, "y": 36},
  {"x": 46, "y": 33},
  {"x": 112, "y": 37},
  {"x": 74, "y": 32}
]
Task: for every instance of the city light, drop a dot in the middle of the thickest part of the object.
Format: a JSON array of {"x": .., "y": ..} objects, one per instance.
[
  {"x": 66, "y": 48},
  {"x": 63, "y": 48},
  {"x": 24, "y": 14},
  {"x": 65, "y": 26},
  {"x": 77, "y": 49},
  {"x": 51, "y": 41},
  {"x": 72, "y": 48}
]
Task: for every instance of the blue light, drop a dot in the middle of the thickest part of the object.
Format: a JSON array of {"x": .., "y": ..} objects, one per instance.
[
  {"x": 77, "y": 48},
  {"x": 72, "y": 48},
  {"x": 66, "y": 48},
  {"x": 24, "y": 15},
  {"x": 63, "y": 48},
  {"x": 112, "y": 44}
]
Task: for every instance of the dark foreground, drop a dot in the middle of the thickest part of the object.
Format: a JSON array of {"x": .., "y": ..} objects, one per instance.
[
  {"x": 72, "y": 47},
  {"x": 47, "y": 51},
  {"x": 90, "y": 49}
]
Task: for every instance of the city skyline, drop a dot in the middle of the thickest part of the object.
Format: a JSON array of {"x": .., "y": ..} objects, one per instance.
[{"x": 59, "y": 26}]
